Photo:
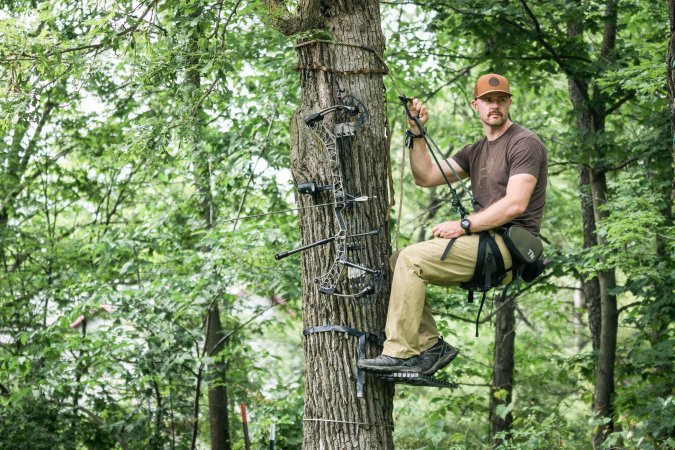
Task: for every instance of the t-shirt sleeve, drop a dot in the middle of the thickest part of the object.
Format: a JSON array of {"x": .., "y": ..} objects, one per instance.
[
  {"x": 462, "y": 158},
  {"x": 528, "y": 155}
]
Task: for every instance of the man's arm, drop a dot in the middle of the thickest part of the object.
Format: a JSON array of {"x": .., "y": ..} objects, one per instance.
[
  {"x": 425, "y": 171},
  {"x": 513, "y": 204}
]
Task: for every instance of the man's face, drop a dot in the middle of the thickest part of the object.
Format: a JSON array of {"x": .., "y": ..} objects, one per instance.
[{"x": 493, "y": 108}]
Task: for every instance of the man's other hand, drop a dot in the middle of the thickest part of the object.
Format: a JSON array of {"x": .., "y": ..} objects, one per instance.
[{"x": 448, "y": 230}]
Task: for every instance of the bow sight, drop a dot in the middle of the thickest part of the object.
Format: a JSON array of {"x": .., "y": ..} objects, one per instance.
[{"x": 310, "y": 188}]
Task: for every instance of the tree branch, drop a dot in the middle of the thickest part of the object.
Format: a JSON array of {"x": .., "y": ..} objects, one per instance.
[
  {"x": 630, "y": 305},
  {"x": 623, "y": 164},
  {"x": 540, "y": 37},
  {"x": 464, "y": 72},
  {"x": 619, "y": 103},
  {"x": 89, "y": 47}
]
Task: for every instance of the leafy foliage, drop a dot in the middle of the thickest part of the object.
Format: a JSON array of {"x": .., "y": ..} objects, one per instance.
[{"x": 109, "y": 262}]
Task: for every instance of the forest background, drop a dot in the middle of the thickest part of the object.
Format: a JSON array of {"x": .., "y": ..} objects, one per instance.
[{"x": 132, "y": 305}]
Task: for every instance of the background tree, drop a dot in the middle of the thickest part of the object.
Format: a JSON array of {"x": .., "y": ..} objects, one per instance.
[{"x": 670, "y": 73}]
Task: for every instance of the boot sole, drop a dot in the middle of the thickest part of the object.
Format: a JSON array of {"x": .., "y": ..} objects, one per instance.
[{"x": 390, "y": 369}]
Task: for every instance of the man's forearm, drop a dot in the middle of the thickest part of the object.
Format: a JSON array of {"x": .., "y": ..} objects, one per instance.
[
  {"x": 420, "y": 162},
  {"x": 497, "y": 214},
  {"x": 425, "y": 171}
]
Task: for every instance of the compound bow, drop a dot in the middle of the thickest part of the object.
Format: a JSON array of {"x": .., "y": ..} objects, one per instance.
[{"x": 363, "y": 280}]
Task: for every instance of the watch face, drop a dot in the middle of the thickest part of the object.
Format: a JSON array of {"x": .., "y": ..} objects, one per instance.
[{"x": 465, "y": 223}]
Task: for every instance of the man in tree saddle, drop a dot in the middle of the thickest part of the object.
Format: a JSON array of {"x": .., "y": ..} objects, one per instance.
[{"x": 508, "y": 172}]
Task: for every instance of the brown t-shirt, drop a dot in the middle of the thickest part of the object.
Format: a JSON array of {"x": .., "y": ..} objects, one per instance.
[{"x": 490, "y": 164}]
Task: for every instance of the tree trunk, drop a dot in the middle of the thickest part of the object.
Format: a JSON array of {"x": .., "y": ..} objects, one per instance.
[
  {"x": 604, "y": 369},
  {"x": 671, "y": 76},
  {"x": 218, "y": 415},
  {"x": 334, "y": 417},
  {"x": 503, "y": 365},
  {"x": 578, "y": 91},
  {"x": 591, "y": 116},
  {"x": 217, "y": 374},
  {"x": 590, "y": 287}
]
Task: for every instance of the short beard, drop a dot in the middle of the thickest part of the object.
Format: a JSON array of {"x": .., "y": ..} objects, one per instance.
[{"x": 502, "y": 121}]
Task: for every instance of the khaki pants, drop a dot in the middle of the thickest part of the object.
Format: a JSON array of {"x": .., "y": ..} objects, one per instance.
[{"x": 411, "y": 328}]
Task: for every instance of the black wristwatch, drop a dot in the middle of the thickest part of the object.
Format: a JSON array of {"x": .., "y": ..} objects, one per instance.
[{"x": 466, "y": 226}]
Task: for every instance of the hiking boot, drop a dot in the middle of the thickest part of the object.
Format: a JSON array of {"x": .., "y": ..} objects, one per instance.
[
  {"x": 389, "y": 364},
  {"x": 437, "y": 357}
]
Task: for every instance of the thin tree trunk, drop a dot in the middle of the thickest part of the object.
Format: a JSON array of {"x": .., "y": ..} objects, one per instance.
[
  {"x": 604, "y": 369},
  {"x": 578, "y": 90},
  {"x": 217, "y": 373},
  {"x": 503, "y": 365},
  {"x": 590, "y": 120},
  {"x": 671, "y": 77},
  {"x": 334, "y": 417},
  {"x": 590, "y": 287},
  {"x": 218, "y": 414}
]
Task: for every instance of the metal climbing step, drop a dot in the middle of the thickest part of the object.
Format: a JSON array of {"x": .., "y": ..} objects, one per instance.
[{"x": 415, "y": 379}]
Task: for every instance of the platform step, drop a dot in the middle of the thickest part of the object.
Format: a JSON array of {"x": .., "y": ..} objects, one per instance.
[{"x": 415, "y": 379}]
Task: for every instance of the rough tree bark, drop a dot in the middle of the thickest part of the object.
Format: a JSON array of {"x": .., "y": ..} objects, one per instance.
[
  {"x": 671, "y": 76},
  {"x": 503, "y": 365},
  {"x": 578, "y": 92},
  {"x": 218, "y": 401},
  {"x": 333, "y": 415},
  {"x": 604, "y": 368},
  {"x": 590, "y": 107},
  {"x": 667, "y": 211}
]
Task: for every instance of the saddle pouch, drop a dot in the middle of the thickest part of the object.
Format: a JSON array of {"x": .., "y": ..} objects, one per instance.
[
  {"x": 524, "y": 246},
  {"x": 533, "y": 270}
]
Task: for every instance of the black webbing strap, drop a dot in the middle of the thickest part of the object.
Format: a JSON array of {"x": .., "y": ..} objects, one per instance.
[
  {"x": 447, "y": 249},
  {"x": 479, "y": 271},
  {"x": 477, "y": 281},
  {"x": 482, "y": 274},
  {"x": 486, "y": 239},
  {"x": 498, "y": 259},
  {"x": 363, "y": 337},
  {"x": 480, "y": 309}
]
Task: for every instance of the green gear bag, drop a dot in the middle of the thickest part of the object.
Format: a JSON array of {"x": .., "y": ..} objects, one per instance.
[{"x": 524, "y": 246}]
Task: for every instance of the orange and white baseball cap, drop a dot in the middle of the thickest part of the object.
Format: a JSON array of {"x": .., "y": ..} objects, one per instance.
[{"x": 489, "y": 83}]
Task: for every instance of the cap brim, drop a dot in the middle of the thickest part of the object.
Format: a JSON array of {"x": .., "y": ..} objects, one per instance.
[{"x": 495, "y": 90}]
